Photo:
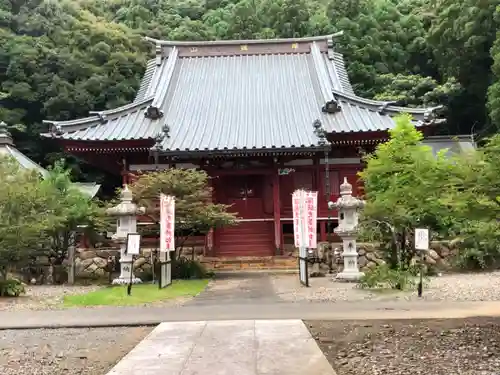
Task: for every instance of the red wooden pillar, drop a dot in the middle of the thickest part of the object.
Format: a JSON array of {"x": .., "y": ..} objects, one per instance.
[
  {"x": 322, "y": 229},
  {"x": 277, "y": 213}
]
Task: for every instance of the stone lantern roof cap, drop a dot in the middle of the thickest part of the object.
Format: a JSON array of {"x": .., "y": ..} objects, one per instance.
[
  {"x": 126, "y": 207},
  {"x": 345, "y": 187},
  {"x": 126, "y": 194}
]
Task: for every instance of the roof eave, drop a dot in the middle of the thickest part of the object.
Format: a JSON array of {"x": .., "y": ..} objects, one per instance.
[
  {"x": 57, "y": 127},
  {"x": 249, "y": 152},
  {"x": 387, "y": 107}
]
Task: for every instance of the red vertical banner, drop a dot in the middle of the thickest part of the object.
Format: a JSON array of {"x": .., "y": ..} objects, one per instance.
[{"x": 167, "y": 223}]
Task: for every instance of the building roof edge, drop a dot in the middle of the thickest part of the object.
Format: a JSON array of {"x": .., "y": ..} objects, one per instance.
[{"x": 244, "y": 41}]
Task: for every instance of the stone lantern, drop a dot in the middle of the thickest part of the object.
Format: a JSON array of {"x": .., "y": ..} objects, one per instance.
[
  {"x": 126, "y": 212},
  {"x": 348, "y": 212}
]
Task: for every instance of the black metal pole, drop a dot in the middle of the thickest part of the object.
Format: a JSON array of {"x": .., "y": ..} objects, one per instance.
[
  {"x": 129, "y": 287},
  {"x": 421, "y": 282}
]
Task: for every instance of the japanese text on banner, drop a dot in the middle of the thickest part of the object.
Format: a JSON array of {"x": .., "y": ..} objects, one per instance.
[
  {"x": 311, "y": 208},
  {"x": 167, "y": 223},
  {"x": 297, "y": 229},
  {"x": 305, "y": 215}
]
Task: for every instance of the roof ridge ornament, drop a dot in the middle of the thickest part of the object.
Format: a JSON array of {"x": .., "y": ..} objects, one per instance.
[
  {"x": 153, "y": 112},
  {"x": 430, "y": 115},
  {"x": 166, "y": 130},
  {"x": 320, "y": 132},
  {"x": 331, "y": 44},
  {"x": 331, "y": 106},
  {"x": 56, "y": 130},
  {"x": 158, "y": 54},
  {"x": 383, "y": 108},
  {"x": 102, "y": 116}
]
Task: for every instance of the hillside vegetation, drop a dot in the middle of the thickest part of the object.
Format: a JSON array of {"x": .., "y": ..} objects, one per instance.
[{"x": 61, "y": 58}]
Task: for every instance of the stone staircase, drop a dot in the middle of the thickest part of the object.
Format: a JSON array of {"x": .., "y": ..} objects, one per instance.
[{"x": 269, "y": 263}]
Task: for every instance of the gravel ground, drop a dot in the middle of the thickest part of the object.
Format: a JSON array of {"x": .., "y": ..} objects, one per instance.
[
  {"x": 432, "y": 347},
  {"x": 50, "y": 297},
  {"x": 451, "y": 287},
  {"x": 43, "y": 297},
  {"x": 66, "y": 351}
]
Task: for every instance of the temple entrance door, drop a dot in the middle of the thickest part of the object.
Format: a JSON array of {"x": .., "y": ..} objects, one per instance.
[
  {"x": 245, "y": 194},
  {"x": 253, "y": 235}
]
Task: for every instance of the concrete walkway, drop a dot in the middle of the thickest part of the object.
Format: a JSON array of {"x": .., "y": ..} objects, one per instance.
[
  {"x": 280, "y": 347},
  {"x": 238, "y": 289},
  {"x": 135, "y": 316}
]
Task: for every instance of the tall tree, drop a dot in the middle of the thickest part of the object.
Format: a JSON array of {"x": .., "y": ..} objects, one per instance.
[
  {"x": 401, "y": 181},
  {"x": 462, "y": 34}
]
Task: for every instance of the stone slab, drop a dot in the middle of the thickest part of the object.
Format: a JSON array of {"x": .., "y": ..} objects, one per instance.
[{"x": 243, "y": 347}]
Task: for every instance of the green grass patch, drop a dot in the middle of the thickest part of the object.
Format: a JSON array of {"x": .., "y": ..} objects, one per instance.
[{"x": 141, "y": 294}]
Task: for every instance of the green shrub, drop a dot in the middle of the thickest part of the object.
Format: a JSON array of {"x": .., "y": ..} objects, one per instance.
[
  {"x": 184, "y": 268},
  {"x": 475, "y": 259},
  {"x": 383, "y": 277},
  {"x": 11, "y": 288}
]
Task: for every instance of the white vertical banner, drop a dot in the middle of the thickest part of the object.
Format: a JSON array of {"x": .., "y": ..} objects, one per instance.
[
  {"x": 167, "y": 223},
  {"x": 305, "y": 215},
  {"x": 297, "y": 200},
  {"x": 311, "y": 216}
]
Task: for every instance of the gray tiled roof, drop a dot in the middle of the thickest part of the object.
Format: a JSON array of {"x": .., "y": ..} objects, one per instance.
[
  {"x": 115, "y": 125},
  {"x": 90, "y": 189},
  {"x": 225, "y": 99},
  {"x": 7, "y": 149},
  {"x": 454, "y": 144},
  {"x": 364, "y": 115}
]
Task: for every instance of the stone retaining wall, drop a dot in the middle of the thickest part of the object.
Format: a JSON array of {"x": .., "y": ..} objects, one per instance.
[
  {"x": 94, "y": 263},
  {"x": 440, "y": 255}
]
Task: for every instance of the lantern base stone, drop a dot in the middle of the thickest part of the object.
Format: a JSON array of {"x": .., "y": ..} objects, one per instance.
[{"x": 349, "y": 276}]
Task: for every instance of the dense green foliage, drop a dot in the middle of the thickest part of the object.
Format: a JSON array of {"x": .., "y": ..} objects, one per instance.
[
  {"x": 37, "y": 215},
  {"x": 455, "y": 196},
  {"x": 60, "y": 58},
  {"x": 194, "y": 211}
]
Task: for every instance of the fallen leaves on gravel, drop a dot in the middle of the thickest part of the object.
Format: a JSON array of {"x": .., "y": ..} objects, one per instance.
[{"x": 410, "y": 347}]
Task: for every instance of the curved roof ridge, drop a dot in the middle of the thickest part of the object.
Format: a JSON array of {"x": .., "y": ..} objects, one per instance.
[
  {"x": 385, "y": 106},
  {"x": 98, "y": 115},
  {"x": 244, "y": 41}
]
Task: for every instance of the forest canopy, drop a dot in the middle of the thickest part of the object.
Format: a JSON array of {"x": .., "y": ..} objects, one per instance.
[{"x": 60, "y": 59}]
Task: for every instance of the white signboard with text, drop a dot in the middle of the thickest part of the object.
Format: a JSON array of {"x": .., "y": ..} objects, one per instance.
[
  {"x": 133, "y": 244},
  {"x": 421, "y": 239},
  {"x": 305, "y": 214},
  {"x": 167, "y": 223}
]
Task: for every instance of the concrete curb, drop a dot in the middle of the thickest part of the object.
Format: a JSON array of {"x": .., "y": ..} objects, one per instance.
[
  {"x": 128, "y": 319},
  {"x": 150, "y": 323}
]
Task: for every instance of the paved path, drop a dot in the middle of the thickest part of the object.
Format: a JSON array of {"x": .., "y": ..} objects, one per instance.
[
  {"x": 118, "y": 316},
  {"x": 280, "y": 347},
  {"x": 238, "y": 289}
]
